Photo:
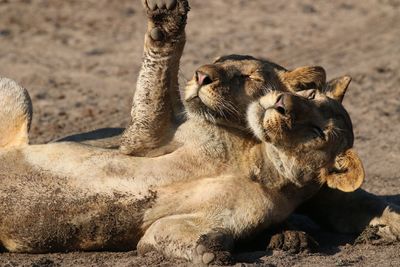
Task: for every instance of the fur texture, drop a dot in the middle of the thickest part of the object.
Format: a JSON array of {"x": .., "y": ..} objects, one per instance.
[
  {"x": 15, "y": 114},
  {"x": 206, "y": 181}
]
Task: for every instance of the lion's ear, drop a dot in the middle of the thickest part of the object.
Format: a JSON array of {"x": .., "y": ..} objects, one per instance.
[
  {"x": 15, "y": 114},
  {"x": 347, "y": 174},
  {"x": 336, "y": 88},
  {"x": 303, "y": 78}
]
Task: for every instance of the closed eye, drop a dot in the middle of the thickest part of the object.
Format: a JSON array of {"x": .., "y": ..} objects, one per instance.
[
  {"x": 318, "y": 132},
  {"x": 312, "y": 94},
  {"x": 309, "y": 94},
  {"x": 254, "y": 76}
]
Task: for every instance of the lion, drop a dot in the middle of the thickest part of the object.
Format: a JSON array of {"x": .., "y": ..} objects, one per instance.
[
  {"x": 67, "y": 197},
  {"x": 216, "y": 98},
  {"x": 98, "y": 199}
]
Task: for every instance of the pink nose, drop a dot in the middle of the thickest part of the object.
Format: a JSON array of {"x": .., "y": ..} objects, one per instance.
[
  {"x": 280, "y": 104},
  {"x": 202, "y": 78}
]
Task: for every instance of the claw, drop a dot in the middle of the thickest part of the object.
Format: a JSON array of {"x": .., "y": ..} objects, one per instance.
[
  {"x": 200, "y": 249},
  {"x": 208, "y": 257},
  {"x": 152, "y": 4},
  {"x": 161, "y": 4},
  {"x": 170, "y": 4}
]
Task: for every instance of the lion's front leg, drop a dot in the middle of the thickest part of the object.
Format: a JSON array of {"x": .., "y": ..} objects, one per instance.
[
  {"x": 188, "y": 237},
  {"x": 156, "y": 104},
  {"x": 354, "y": 212}
]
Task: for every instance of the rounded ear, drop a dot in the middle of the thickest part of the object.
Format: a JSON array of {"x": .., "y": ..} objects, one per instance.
[
  {"x": 15, "y": 114},
  {"x": 217, "y": 58},
  {"x": 303, "y": 78},
  {"x": 347, "y": 174},
  {"x": 336, "y": 88}
]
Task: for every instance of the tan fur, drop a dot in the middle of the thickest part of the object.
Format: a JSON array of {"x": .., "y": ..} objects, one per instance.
[
  {"x": 56, "y": 204},
  {"x": 306, "y": 77},
  {"x": 167, "y": 206},
  {"x": 214, "y": 182},
  {"x": 351, "y": 212},
  {"x": 336, "y": 88},
  {"x": 67, "y": 196},
  {"x": 304, "y": 133},
  {"x": 156, "y": 106},
  {"x": 349, "y": 172},
  {"x": 15, "y": 114}
]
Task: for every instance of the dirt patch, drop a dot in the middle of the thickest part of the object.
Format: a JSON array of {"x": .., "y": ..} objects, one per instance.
[{"x": 79, "y": 60}]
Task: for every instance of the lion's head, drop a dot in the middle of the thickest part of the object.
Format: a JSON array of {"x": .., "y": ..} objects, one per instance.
[
  {"x": 221, "y": 92},
  {"x": 311, "y": 132}
]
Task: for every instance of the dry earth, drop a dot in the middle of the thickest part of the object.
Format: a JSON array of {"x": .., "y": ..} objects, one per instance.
[{"x": 79, "y": 60}]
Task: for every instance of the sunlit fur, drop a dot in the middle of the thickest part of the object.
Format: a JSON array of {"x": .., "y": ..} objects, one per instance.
[
  {"x": 69, "y": 196},
  {"x": 15, "y": 114},
  {"x": 236, "y": 81},
  {"x": 312, "y": 132}
]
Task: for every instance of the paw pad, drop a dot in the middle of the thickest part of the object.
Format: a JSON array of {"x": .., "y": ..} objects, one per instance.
[
  {"x": 156, "y": 34},
  {"x": 208, "y": 257},
  {"x": 213, "y": 248}
]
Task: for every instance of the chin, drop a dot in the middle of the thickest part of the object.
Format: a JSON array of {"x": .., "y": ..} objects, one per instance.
[{"x": 195, "y": 108}]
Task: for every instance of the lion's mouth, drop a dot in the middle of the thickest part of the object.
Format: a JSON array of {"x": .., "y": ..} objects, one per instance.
[
  {"x": 201, "y": 106},
  {"x": 190, "y": 98},
  {"x": 203, "y": 101},
  {"x": 191, "y": 92}
]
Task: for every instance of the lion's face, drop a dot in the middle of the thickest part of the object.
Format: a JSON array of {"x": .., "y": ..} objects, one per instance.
[
  {"x": 221, "y": 92},
  {"x": 314, "y": 132},
  {"x": 309, "y": 123}
]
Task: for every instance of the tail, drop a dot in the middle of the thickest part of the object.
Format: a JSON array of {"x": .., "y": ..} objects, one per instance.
[{"x": 15, "y": 114}]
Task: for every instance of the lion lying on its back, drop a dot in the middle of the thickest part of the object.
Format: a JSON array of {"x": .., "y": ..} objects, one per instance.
[{"x": 47, "y": 206}]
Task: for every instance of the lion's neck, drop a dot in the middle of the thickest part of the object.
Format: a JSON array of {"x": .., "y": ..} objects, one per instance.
[
  {"x": 284, "y": 173},
  {"x": 219, "y": 144}
]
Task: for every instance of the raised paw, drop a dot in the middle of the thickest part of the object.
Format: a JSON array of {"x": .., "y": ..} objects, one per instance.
[
  {"x": 292, "y": 242},
  {"x": 214, "y": 249},
  {"x": 166, "y": 19}
]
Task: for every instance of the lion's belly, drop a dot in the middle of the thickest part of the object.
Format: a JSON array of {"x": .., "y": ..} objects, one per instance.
[
  {"x": 45, "y": 217},
  {"x": 42, "y": 212},
  {"x": 65, "y": 196}
]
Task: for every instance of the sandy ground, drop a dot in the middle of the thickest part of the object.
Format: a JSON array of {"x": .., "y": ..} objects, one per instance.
[{"x": 79, "y": 60}]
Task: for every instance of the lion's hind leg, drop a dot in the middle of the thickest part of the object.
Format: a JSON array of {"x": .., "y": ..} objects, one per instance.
[
  {"x": 15, "y": 114},
  {"x": 355, "y": 212},
  {"x": 386, "y": 226}
]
